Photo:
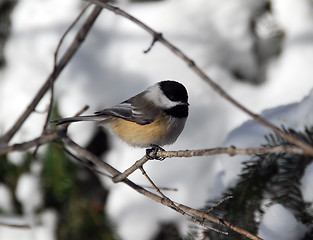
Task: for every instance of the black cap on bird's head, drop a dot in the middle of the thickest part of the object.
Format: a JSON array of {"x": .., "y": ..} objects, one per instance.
[
  {"x": 170, "y": 96},
  {"x": 175, "y": 91}
]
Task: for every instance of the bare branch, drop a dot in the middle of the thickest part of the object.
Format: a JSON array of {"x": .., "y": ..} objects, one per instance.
[
  {"x": 82, "y": 161},
  {"x": 93, "y": 169},
  {"x": 46, "y": 137},
  {"x": 161, "y": 188},
  {"x": 66, "y": 32},
  {"x": 208, "y": 152},
  {"x": 60, "y": 132},
  {"x": 51, "y": 135},
  {"x": 230, "y": 151},
  {"x": 43, "y": 139},
  {"x": 306, "y": 147},
  {"x": 79, "y": 38},
  {"x": 91, "y": 157}
]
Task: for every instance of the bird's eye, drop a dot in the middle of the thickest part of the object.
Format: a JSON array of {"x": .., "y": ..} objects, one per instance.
[{"x": 172, "y": 98}]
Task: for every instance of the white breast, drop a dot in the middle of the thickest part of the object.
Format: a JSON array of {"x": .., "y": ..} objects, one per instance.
[{"x": 175, "y": 127}]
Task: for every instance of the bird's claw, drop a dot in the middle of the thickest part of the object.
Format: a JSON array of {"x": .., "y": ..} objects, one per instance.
[{"x": 151, "y": 153}]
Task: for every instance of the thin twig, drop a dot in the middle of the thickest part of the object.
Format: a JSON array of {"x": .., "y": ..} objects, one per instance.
[
  {"x": 204, "y": 215},
  {"x": 161, "y": 188},
  {"x": 48, "y": 115},
  {"x": 81, "y": 161},
  {"x": 66, "y": 32},
  {"x": 153, "y": 184},
  {"x": 176, "y": 208},
  {"x": 76, "y": 43},
  {"x": 46, "y": 137},
  {"x": 306, "y": 147},
  {"x": 216, "y": 205},
  {"x": 156, "y": 38}
]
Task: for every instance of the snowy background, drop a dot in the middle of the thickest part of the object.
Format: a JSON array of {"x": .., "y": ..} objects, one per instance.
[{"x": 110, "y": 67}]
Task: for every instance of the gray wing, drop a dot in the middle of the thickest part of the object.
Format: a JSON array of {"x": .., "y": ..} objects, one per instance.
[{"x": 128, "y": 110}]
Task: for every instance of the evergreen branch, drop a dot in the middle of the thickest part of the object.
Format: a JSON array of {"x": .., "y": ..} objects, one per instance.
[
  {"x": 219, "y": 221},
  {"x": 274, "y": 177},
  {"x": 284, "y": 186}
]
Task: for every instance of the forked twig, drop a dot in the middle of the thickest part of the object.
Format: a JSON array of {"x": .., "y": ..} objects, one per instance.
[
  {"x": 130, "y": 170},
  {"x": 113, "y": 172},
  {"x": 204, "y": 215}
]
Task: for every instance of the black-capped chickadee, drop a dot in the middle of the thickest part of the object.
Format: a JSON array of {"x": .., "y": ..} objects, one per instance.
[{"x": 152, "y": 118}]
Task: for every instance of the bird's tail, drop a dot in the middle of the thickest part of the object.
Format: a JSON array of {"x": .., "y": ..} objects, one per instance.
[{"x": 78, "y": 119}]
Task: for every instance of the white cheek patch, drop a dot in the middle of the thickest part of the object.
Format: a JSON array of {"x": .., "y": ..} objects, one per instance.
[{"x": 155, "y": 94}]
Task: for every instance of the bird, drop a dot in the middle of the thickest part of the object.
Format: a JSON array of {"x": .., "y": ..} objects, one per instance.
[{"x": 152, "y": 118}]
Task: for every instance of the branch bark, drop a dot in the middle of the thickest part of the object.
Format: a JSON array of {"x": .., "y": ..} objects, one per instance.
[
  {"x": 208, "y": 152},
  {"x": 43, "y": 139}
]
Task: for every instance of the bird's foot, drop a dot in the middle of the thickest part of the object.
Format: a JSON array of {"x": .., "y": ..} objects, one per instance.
[{"x": 151, "y": 153}]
